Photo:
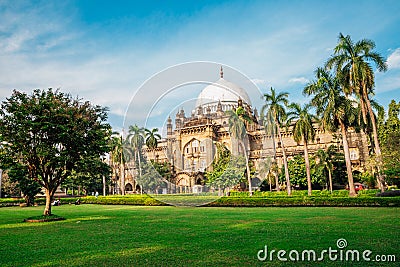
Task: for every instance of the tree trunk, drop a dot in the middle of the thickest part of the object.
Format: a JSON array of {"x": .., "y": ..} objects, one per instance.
[
  {"x": 378, "y": 153},
  {"x": 270, "y": 184},
  {"x": 247, "y": 167},
  {"x": 122, "y": 181},
  {"x": 352, "y": 192},
  {"x": 104, "y": 185},
  {"x": 275, "y": 174},
  {"x": 140, "y": 170},
  {"x": 49, "y": 197},
  {"x": 307, "y": 161},
  {"x": 1, "y": 177},
  {"x": 330, "y": 180},
  {"x": 288, "y": 186},
  {"x": 277, "y": 182}
]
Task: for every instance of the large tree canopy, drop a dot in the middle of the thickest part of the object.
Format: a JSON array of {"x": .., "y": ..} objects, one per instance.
[{"x": 51, "y": 134}]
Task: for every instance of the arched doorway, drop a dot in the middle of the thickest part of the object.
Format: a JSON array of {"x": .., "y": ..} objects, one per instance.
[
  {"x": 183, "y": 183},
  {"x": 128, "y": 187}
]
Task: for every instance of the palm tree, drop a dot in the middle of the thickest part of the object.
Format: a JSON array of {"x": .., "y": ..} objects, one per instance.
[
  {"x": 325, "y": 161},
  {"x": 152, "y": 138},
  {"x": 335, "y": 111},
  {"x": 352, "y": 61},
  {"x": 137, "y": 140},
  {"x": 271, "y": 129},
  {"x": 237, "y": 127},
  {"x": 303, "y": 131},
  {"x": 275, "y": 108},
  {"x": 120, "y": 154}
]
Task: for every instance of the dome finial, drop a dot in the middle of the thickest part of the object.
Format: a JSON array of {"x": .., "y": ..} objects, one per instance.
[{"x": 221, "y": 73}]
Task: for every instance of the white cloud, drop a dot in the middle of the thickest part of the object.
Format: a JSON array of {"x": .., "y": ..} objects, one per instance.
[
  {"x": 301, "y": 80},
  {"x": 393, "y": 60},
  {"x": 259, "y": 81}
]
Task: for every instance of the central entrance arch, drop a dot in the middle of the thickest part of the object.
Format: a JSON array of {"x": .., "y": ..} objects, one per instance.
[{"x": 184, "y": 182}]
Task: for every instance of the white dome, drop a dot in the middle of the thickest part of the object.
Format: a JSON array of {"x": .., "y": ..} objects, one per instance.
[{"x": 223, "y": 91}]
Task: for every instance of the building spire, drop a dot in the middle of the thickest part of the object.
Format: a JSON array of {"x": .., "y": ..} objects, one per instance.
[{"x": 221, "y": 73}]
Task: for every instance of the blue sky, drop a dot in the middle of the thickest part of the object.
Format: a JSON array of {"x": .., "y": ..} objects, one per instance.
[{"x": 104, "y": 51}]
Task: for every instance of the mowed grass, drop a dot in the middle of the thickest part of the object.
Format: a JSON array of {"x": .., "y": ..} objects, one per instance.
[{"x": 96, "y": 235}]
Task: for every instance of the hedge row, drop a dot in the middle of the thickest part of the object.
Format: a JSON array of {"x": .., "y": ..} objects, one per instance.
[
  {"x": 306, "y": 201},
  {"x": 303, "y": 193},
  {"x": 139, "y": 200},
  {"x": 142, "y": 200},
  {"x": 232, "y": 201}
]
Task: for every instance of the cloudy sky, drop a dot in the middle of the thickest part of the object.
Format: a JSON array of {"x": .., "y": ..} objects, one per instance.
[{"x": 104, "y": 51}]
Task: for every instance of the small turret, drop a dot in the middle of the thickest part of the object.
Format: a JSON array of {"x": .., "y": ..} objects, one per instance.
[
  {"x": 169, "y": 127},
  {"x": 240, "y": 102},
  {"x": 199, "y": 112},
  {"x": 208, "y": 111},
  {"x": 220, "y": 112},
  {"x": 178, "y": 121}
]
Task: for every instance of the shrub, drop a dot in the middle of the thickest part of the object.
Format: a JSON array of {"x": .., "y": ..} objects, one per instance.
[
  {"x": 295, "y": 193},
  {"x": 305, "y": 201},
  {"x": 144, "y": 200},
  {"x": 368, "y": 192},
  {"x": 389, "y": 193}
]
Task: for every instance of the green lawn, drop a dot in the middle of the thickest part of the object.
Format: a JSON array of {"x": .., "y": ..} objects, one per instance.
[{"x": 96, "y": 235}]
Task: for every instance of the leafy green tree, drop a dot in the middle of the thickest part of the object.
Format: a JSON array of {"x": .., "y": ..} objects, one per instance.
[
  {"x": 163, "y": 168},
  {"x": 390, "y": 136},
  {"x": 353, "y": 65},
  {"x": 336, "y": 111},
  {"x": 325, "y": 162},
  {"x": 51, "y": 134},
  {"x": 233, "y": 172},
  {"x": 150, "y": 180},
  {"x": 29, "y": 188},
  {"x": 303, "y": 131},
  {"x": 297, "y": 172},
  {"x": 274, "y": 108},
  {"x": 219, "y": 166},
  {"x": 265, "y": 170},
  {"x": 237, "y": 127},
  {"x": 8, "y": 187},
  {"x": 88, "y": 176}
]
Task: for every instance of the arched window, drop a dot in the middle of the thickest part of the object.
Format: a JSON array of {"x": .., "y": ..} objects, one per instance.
[
  {"x": 128, "y": 187},
  {"x": 353, "y": 154},
  {"x": 194, "y": 145}
]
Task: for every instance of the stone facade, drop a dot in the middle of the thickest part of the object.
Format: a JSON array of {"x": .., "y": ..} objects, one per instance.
[{"x": 190, "y": 142}]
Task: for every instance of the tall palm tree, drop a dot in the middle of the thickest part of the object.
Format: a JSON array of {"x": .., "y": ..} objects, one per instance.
[
  {"x": 120, "y": 154},
  {"x": 353, "y": 63},
  {"x": 335, "y": 111},
  {"x": 325, "y": 161},
  {"x": 303, "y": 131},
  {"x": 136, "y": 137},
  {"x": 237, "y": 127},
  {"x": 275, "y": 108},
  {"x": 152, "y": 138},
  {"x": 271, "y": 129}
]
